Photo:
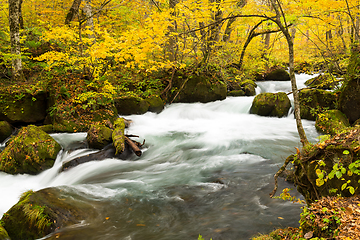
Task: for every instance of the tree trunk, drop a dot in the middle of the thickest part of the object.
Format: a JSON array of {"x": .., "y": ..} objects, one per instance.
[
  {"x": 279, "y": 13},
  {"x": 172, "y": 47},
  {"x": 89, "y": 19},
  {"x": 74, "y": 10},
  {"x": 14, "y": 22}
]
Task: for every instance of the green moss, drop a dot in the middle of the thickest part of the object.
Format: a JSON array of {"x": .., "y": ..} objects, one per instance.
[
  {"x": 31, "y": 151},
  {"x": 3, "y": 234},
  {"x": 271, "y": 104},
  {"x": 156, "y": 104},
  {"x": 99, "y": 136},
  {"x": 118, "y": 135},
  {"x": 332, "y": 122},
  {"x": 131, "y": 105}
]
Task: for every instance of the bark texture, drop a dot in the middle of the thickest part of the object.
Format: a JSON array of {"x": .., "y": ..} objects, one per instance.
[{"x": 14, "y": 23}]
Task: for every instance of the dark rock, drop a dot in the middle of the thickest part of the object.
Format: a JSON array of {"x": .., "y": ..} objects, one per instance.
[
  {"x": 5, "y": 130},
  {"x": 236, "y": 93},
  {"x": 40, "y": 213},
  {"x": 277, "y": 74},
  {"x": 332, "y": 122},
  {"x": 271, "y": 104},
  {"x": 131, "y": 105},
  {"x": 23, "y": 108},
  {"x": 349, "y": 100},
  {"x": 99, "y": 136},
  {"x": 3, "y": 234},
  {"x": 242, "y": 88},
  {"x": 315, "y": 101},
  {"x": 31, "y": 151}
]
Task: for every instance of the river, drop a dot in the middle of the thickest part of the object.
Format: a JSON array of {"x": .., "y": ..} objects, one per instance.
[{"x": 206, "y": 169}]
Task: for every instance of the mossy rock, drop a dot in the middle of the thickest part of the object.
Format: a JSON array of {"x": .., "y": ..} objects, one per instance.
[
  {"x": 156, "y": 104},
  {"x": 23, "y": 107},
  {"x": 3, "y": 234},
  {"x": 99, "y": 136},
  {"x": 245, "y": 87},
  {"x": 236, "y": 93},
  {"x": 5, "y": 130},
  {"x": 315, "y": 101},
  {"x": 131, "y": 105},
  {"x": 197, "y": 88},
  {"x": 275, "y": 73},
  {"x": 330, "y": 159},
  {"x": 40, "y": 213},
  {"x": 31, "y": 152},
  {"x": 332, "y": 122},
  {"x": 323, "y": 81},
  {"x": 75, "y": 118},
  {"x": 349, "y": 100},
  {"x": 271, "y": 104}
]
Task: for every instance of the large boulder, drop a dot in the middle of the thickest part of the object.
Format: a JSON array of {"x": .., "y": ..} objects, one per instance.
[
  {"x": 131, "y": 105},
  {"x": 31, "y": 152},
  {"x": 323, "y": 81},
  {"x": 332, "y": 122},
  {"x": 315, "y": 101},
  {"x": 23, "y": 107},
  {"x": 275, "y": 73},
  {"x": 271, "y": 104},
  {"x": 197, "y": 88},
  {"x": 99, "y": 136},
  {"x": 241, "y": 88},
  {"x": 5, "y": 130},
  {"x": 40, "y": 213},
  {"x": 349, "y": 100}
]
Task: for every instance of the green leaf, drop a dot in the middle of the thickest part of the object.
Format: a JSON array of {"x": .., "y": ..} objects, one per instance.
[
  {"x": 338, "y": 174},
  {"x": 343, "y": 186},
  {"x": 351, "y": 190},
  {"x": 346, "y": 152}
]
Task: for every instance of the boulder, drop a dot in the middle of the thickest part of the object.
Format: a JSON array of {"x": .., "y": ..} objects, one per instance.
[
  {"x": 155, "y": 103},
  {"x": 349, "y": 100},
  {"x": 323, "y": 81},
  {"x": 5, "y": 130},
  {"x": 23, "y": 107},
  {"x": 3, "y": 234},
  {"x": 271, "y": 104},
  {"x": 275, "y": 73},
  {"x": 99, "y": 136},
  {"x": 31, "y": 152},
  {"x": 331, "y": 122},
  {"x": 236, "y": 93},
  {"x": 197, "y": 88},
  {"x": 40, "y": 213},
  {"x": 241, "y": 88},
  {"x": 315, "y": 101},
  {"x": 131, "y": 105}
]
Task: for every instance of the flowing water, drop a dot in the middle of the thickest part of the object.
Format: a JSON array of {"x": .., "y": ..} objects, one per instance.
[{"x": 206, "y": 169}]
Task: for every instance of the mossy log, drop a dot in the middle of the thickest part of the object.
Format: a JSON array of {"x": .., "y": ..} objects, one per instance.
[{"x": 118, "y": 136}]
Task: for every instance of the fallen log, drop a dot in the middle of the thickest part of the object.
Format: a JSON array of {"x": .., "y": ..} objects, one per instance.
[
  {"x": 118, "y": 135},
  {"x": 133, "y": 146}
]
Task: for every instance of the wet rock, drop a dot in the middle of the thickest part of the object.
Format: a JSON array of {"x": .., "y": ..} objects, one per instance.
[
  {"x": 236, "y": 93},
  {"x": 156, "y": 104},
  {"x": 332, "y": 122},
  {"x": 271, "y": 104},
  {"x": 315, "y": 101},
  {"x": 99, "y": 136},
  {"x": 23, "y": 107},
  {"x": 131, "y": 105},
  {"x": 349, "y": 100},
  {"x": 31, "y": 152},
  {"x": 242, "y": 88},
  {"x": 5, "y": 130},
  {"x": 323, "y": 81},
  {"x": 40, "y": 213}
]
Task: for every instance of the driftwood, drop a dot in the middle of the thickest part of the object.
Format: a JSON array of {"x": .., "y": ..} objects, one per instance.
[{"x": 133, "y": 146}]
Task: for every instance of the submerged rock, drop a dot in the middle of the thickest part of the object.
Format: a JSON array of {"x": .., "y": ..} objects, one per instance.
[
  {"x": 271, "y": 104},
  {"x": 40, "y": 213},
  {"x": 332, "y": 122},
  {"x": 5, "y": 130},
  {"x": 315, "y": 101},
  {"x": 31, "y": 152}
]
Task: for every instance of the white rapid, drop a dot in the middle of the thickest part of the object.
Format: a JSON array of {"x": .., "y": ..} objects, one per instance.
[{"x": 206, "y": 169}]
